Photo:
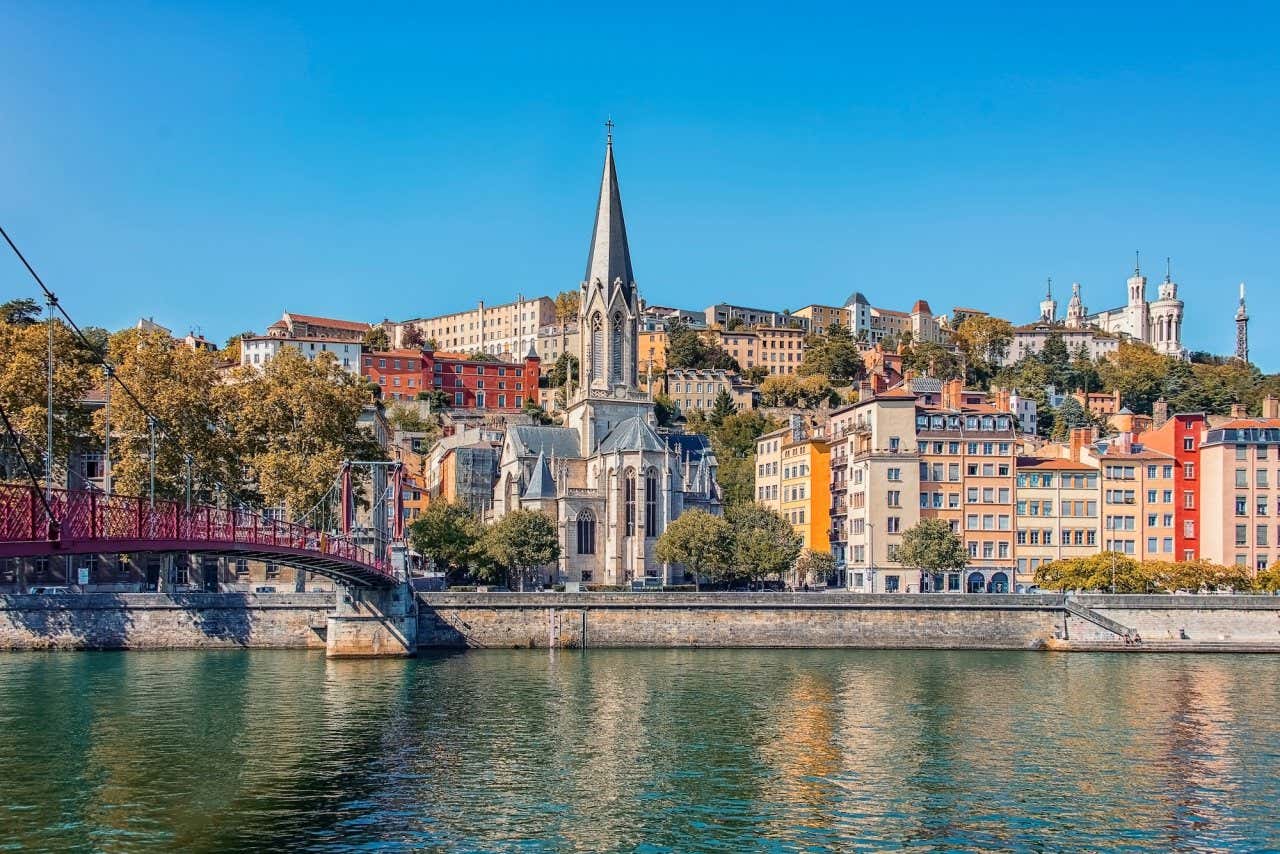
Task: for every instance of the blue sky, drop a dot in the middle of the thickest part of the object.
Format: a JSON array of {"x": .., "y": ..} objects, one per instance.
[{"x": 214, "y": 164}]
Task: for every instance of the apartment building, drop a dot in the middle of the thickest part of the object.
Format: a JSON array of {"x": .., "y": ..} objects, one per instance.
[
  {"x": 309, "y": 335},
  {"x": 1057, "y": 514},
  {"x": 555, "y": 340},
  {"x": 722, "y": 313},
  {"x": 698, "y": 388},
  {"x": 1240, "y": 491},
  {"x": 769, "y": 469},
  {"x": 507, "y": 330},
  {"x": 652, "y": 351},
  {"x": 1138, "y": 508},
  {"x": 879, "y": 490},
  {"x": 1182, "y": 437},
  {"x": 874, "y": 325},
  {"x": 819, "y": 318},
  {"x": 780, "y": 349},
  {"x": 469, "y": 384},
  {"x": 805, "y": 483}
]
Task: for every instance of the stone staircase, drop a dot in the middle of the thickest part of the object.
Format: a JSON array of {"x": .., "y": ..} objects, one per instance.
[{"x": 1104, "y": 629}]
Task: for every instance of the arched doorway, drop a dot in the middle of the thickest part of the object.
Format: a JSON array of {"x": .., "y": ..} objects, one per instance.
[
  {"x": 976, "y": 583},
  {"x": 999, "y": 583}
]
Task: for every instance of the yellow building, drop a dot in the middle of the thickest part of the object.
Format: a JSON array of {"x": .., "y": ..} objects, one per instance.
[
  {"x": 805, "y": 486},
  {"x": 652, "y": 352}
]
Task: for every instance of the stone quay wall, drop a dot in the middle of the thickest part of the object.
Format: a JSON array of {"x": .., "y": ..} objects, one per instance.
[
  {"x": 164, "y": 621},
  {"x": 577, "y": 620}
]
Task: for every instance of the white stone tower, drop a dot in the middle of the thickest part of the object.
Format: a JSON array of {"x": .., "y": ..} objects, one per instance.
[
  {"x": 1137, "y": 306},
  {"x": 1076, "y": 310},
  {"x": 1166, "y": 316},
  {"x": 1049, "y": 306}
]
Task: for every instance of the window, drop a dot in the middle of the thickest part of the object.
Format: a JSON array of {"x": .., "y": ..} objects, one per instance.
[
  {"x": 651, "y": 504},
  {"x": 1242, "y": 535},
  {"x": 891, "y": 584},
  {"x": 893, "y": 524},
  {"x": 1188, "y": 471},
  {"x": 629, "y": 502},
  {"x": 1188, "y": 443},
  {"x": 586, "y": 533},
  {"x": 893, "y": 474},
  {"x": 1242, "y": 478}
]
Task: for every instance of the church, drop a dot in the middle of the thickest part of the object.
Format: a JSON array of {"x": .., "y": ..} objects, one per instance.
[
  {"x": 1158, "y": 323},
  {"x": 609, "y": 477}
]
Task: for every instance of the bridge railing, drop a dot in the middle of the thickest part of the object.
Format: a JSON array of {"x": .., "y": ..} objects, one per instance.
[{"x": 84, "y": 515}]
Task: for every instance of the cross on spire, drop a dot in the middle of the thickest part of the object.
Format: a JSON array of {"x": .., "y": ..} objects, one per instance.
[
  {"x": 1137, "y": 266},
  {"x": 608, "y": 129}
]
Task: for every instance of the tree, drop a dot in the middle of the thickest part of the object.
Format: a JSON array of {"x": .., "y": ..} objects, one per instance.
[
  {"x": 699, "y": 541},
  {"x": 565, "y": 367},
  {"x": 448, "y": 535},
  {"x": 177, "y": 385},
  {"x": 410, "y": 420},
  {"x": 834, "y": 356},
  {"x": 231, "y": 352},
  {"x": 1137, "y": 372},
  {"x": 481, "y": 356},
  {"x": 764, "y": 543},
  {"x": 293, "y": 424},
  {"x": 664, "y": 410},
  {"x": 687, "y": 349},
  {"x": 20, "y": 312},
  {"x": 756, "y": 374},
  {"x": 1084, "y": 372},
  {"x": 438, "y": 400},
  {"x": 535, "y": 411},
  {"x": 376, "y": 339},
  {"x": 522, "y": 541},
  {"x": 813, "y": 567},
  {"x": 1196, "y": 575},
  {"x": 412, "y": 337},
  {"x": 24, "y": 394},
  {"x": 809, "y": 392},
  {"x": 1096, "y": 572},
  {"x": 721, "y": 408},
  {"x": 567, "y": 305},
  {"x": 984, "y": 342},
  {"x": 932, "y": 360},
  {"x": 1068, "y": 416},
  {"x": 932, "y": 546},
  {"x": 734, "y": 443}
]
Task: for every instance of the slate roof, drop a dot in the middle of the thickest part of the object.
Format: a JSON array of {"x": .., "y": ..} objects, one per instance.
[
  {"x": 542, "y": 484},
  {"x": 632, "y": 434},
  {"x": 610, "y": 256},
  {"x": 531, "y": 440},
  {"x": 695, "y": 445}
]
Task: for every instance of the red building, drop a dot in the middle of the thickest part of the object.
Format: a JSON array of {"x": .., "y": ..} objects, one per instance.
[
  {"x": 469, "y": 384},
  {"x": 1180, "y": 437}
]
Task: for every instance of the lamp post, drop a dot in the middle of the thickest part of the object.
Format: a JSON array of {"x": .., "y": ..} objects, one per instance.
[
  {"x": 106, "y": 431},
  {"x": 871, "y": 556},
  {"x": 48, "y": 451}
]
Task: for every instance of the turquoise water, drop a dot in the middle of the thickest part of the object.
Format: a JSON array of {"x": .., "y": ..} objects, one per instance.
[{"x": 639, "y": 751}]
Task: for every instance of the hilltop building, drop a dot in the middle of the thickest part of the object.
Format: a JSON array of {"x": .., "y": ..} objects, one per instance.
[{"x": 1157, "y": 323}]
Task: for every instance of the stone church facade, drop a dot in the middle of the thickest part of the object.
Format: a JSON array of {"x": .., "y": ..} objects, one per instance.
[
  {"x": 609, "y": 477},
  {"x": 1157, "y": 323}
]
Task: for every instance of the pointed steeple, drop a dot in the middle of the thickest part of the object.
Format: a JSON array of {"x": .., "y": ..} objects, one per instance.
[
  {"x": 541, "y": 485},
  {"x": 610, "y": 256}
]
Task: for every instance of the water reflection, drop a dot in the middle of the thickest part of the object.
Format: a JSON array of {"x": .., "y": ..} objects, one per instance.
[{"x": 639, "y": 750}]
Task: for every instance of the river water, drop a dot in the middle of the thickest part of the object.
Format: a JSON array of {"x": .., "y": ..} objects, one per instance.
[{"x": 646, "y": 750}]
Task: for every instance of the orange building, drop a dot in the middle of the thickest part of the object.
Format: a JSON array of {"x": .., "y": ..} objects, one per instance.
[{"x": 1138, "y": 512}]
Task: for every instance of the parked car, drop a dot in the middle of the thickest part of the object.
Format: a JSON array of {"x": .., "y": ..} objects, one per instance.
[
  {"x": 264, "y": 588},
  {"x": 55, "y": 590}
]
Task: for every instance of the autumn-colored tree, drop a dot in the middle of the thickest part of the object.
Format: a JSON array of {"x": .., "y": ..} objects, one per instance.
[
  {"x": 294, "y": 423},
  {"x": 699, "y": 541},
  {"x": 175, "y": 385},
  {"x": 23, "y": 391},
  {"x": 376, "y": 339},
  {"x": 933, "y": 547},
  {"x": 932, "y": 360},
  {"x": 1105, "y": 571},
  {"x": 983, "y": 341},
  {"x": 566, "y": 303},
  {"x": 814, "y": 567},
  {"x": 1137, "y": 372}
]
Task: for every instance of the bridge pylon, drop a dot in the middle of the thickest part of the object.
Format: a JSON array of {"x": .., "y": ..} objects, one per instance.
[{"x": 373, "y": 622}]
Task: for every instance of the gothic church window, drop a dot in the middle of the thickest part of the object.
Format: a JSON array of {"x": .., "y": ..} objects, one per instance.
[
  {"x": 597, "y": 347},
  {"x": 629, "y": 502},
  {"x": 651, "y": 503},
  {"x": 615, "y": 354},
  {"x": 586, "y": 533}
]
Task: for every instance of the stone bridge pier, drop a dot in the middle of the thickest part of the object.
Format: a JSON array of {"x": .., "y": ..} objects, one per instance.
[{"x": 369, "y": 622}]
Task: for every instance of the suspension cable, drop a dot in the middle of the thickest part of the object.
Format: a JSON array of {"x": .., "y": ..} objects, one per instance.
[
  {"x": 35, "y": 481},
  {"x": 100, "y": 354}
]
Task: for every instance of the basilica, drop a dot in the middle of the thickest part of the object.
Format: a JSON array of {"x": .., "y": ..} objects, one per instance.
[
  {"x": 1158, "y": 323},
  {"x": 610, "y": 477}
]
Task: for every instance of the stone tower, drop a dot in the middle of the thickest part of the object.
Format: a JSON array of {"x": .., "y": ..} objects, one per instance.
[
  {"x": 1076, "y": 310},
  {"x": 1137, "y": 305},
  {"x": 1242, "y": 329},
  {"x": 1049, "y": 306},
  {"x": 1166, "y": 316}
]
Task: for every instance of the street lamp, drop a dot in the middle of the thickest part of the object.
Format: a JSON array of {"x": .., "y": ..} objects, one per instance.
[{"x": 871, "y": 556}]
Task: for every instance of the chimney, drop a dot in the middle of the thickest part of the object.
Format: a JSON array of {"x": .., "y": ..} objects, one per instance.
[
  {"x": 1159, "y": 413},
  {"x": 1271, "y": 406},
  {"x": 1077, "y": 437},
  {"x": 951, "y": 394},
  {"x": 865, "y": 391},
  {"x": 1002, "y": 400},
  {"x": 1123, "y": 442},
  {"x": 1238, "y": 410}
]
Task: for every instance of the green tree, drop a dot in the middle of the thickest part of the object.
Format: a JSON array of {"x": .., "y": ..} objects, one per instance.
[
  {"x": 687, "y": 349},
  {"x": 438, "y": 399},
  {"x": 449, "y": 536},
  {"x": 523, "y": 541},
  {"x": 834, "y": 356},
  {"x": 1084, "y": 372},
  {"x": 481, "y": 356},
  {"x": 1068, "y": 416},
  {"x": 412, "y": 337},
  {"x": 933, "y": 547},
  {"x": 535, "y": 411},
  {"x": 700, "y": 542},
  {"x": 20, "y": 312},
  {"x": 984, "y": 342},
  {"x": 722, "y": 408},
  {"x": 565, "y": 367},
  {"x": 664, "y": 410},
  {"x": 764, "y": 543},
  {"x": 808, "y": 392},
  {"x": 376, "y": 339},
  {"x": 931, "y": 359},
  {"x": 734, "y": 443},
  {"x": 814, "y": 567},
  {"x": 1137, "y": 372}
]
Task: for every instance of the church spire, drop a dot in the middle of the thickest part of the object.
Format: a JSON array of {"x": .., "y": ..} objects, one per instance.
[{"x": 610, "y": 256}]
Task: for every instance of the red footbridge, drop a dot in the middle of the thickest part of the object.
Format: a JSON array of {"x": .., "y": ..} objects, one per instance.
[{"x": 85, "y": 522}]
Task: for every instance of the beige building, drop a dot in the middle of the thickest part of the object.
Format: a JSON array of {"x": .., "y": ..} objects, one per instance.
[
  {"x": 554, "y": 340},
  {"x": 695, "y": 388},
  {"x": 1057, "y": 513},
  {"x": 819, "y": 318},
  {"x": 508, "y": 330},
  {"x": 780, "y": 349},
  {"x": 769, "y": 468},
  {"x": 878, "y": 494},
  {"x": 1137, "y": 501}
]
